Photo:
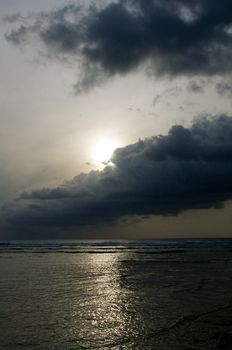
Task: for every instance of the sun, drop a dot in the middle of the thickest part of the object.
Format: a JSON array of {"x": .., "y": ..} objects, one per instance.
[{"x": 103, "y": 151}]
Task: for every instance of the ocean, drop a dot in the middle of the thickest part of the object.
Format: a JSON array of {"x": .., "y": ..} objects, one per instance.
[{"x": 161, "y": 294}]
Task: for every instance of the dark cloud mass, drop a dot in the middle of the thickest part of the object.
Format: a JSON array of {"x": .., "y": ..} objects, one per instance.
[
  {"x": 178, "y": 37},
  {"x": 188, "y": 168}
]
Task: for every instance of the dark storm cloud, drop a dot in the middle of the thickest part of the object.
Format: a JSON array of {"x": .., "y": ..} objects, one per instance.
[
  {"x": 173, "y": 38},
  {"x": 188, "y": 168}
]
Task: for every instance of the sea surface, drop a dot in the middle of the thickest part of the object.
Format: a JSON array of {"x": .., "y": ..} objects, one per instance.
[{"x": 167, "y": 294}]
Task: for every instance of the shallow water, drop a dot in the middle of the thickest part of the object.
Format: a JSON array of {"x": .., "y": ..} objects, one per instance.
[{"x": 116, "y": 295}]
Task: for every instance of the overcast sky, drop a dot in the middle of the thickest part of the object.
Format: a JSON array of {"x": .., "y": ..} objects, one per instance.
[{"x": 153, "y": 77}]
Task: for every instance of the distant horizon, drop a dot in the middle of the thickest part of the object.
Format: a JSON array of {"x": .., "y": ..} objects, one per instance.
[{"x": 120, "y": 239}]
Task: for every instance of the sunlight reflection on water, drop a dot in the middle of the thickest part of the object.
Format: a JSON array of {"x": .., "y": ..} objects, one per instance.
[
  {"x": 121, "y": 300},
  {"x": 102, "y": 314}
]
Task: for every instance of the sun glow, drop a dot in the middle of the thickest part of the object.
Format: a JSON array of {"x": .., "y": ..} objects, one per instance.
[{"x": 103, "y": 151}]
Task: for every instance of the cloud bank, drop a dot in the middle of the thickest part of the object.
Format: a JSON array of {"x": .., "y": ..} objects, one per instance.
[
  {"x": 188, "y": 168},
  {"x": 171, "y": 38}
]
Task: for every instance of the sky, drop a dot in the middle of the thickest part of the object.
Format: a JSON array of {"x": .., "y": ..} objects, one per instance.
[{"x": 116, "y": 119}]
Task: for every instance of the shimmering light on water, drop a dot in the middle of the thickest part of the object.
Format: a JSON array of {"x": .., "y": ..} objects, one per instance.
[{"x": 116, "y": 296}]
